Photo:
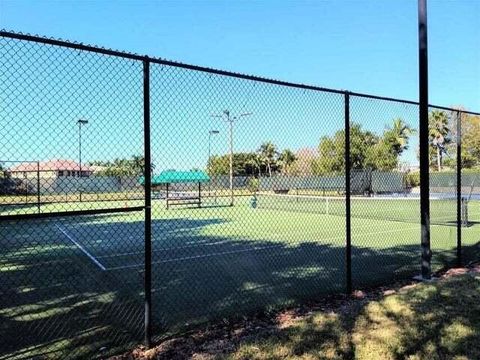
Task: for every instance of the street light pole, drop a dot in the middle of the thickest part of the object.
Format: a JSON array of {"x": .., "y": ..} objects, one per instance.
[
  {"x": 230, "y": 122},
  {"x": 231, "y": 119},
  {"x": 80, "y": 123},
  {"x": 210, "y": 133}
]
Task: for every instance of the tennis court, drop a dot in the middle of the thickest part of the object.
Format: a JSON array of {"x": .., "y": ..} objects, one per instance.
[{"x": 215, "y": 261}]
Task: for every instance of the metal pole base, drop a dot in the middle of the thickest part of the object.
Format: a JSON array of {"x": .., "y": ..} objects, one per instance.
[{"x": 420, "y": 278}]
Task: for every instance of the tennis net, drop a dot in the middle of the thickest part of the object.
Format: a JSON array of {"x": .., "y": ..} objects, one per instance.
[{"x": 442, "y": 210}]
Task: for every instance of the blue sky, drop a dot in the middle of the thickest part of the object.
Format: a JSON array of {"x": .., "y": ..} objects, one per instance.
[{"x": 364, "y": 46}]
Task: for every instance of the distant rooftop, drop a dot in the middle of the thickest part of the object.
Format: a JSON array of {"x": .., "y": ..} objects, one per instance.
[{"x": 50, "y": 165}]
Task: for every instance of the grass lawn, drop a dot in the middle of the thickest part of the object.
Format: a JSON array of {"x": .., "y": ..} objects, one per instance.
[
  {"x": 84, "y": 274},
  {"x": 439, "y": 320}
]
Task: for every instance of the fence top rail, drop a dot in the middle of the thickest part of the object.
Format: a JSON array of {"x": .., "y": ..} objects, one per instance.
[{"x": 127, "y": 55}]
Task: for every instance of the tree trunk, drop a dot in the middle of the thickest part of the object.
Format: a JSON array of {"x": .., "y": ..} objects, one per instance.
[
  {"x": 269, "y": 170},
  {"x": 439, "y": 159}
]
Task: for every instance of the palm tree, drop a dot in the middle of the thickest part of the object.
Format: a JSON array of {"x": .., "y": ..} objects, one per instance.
[
  {"x": 138, "y": 164},
  {"x": 3, "y": 171},
  {"x": 439, "y": 132},
  {"x": 399, "y": 135},
  {"x": 268, "y": 152},
  {"x": 255, "y": 162},
  {"x": 286, "y": 159}
]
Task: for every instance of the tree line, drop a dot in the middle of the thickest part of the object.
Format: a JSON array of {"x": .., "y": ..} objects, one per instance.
[
  {"x": 367, "y": 150},
  {"x": 135, "y": 166},
  {"x": 266, "y": 161},
  {"x": 442, "y": 137}
]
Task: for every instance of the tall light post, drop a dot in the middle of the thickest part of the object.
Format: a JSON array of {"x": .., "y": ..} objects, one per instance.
[
  {"x": 210, "y": 133},
  {"x": 423, "y": 140},
  {"x": 227, "y": 116},
  {"x": 80, "y": 123}
]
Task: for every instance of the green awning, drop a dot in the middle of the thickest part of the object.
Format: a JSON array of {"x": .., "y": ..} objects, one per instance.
[{"x": 178, "y": 177}]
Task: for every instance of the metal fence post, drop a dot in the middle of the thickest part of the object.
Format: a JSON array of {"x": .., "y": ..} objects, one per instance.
[
  {"x": 424, "y": 145},
  {"x": 348, "y": 229},
  {"x": 38, "y": 186},
  {"x": 148, "y": 203},
  {"x": 459, "y": 189}
]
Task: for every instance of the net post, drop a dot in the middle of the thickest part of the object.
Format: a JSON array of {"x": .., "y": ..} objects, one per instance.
[
  {"x": 348, "y": 227},
  {"x": 424, "y": 144},
  {"x": 148, "y": 204},
  {"x": 460, "y": 207},
  {"x": 464, "y": 206}
]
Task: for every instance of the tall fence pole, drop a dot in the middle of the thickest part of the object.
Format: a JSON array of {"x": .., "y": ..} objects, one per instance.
[
  {"x": 459, "y": 189},
  {"x": 424, "y": 145},
  {"x": 348, "y": 225},
  {"x": 38, "y": 186},
  {"x": 148, "y": 203}
]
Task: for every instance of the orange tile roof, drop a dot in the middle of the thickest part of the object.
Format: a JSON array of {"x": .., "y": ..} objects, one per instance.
[{"x": 51, "y": 165}]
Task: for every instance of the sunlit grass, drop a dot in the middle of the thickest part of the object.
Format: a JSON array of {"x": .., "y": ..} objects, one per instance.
[{"x": 431, "y": 321}]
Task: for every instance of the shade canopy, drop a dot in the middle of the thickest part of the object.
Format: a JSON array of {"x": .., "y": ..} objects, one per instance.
[{"x": 178, "y": 177}]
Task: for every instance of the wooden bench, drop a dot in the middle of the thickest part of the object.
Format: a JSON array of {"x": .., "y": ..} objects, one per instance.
[{"x": 193, "y": 200}]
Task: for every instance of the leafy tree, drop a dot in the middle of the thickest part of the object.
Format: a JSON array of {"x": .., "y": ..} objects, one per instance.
[
  {"x": 439, "y": 135},
  {"x": 360, "y": 142},
  {"x": 268, "y": 153},
  {"x": 244, "y": 164},
  {"x": 332, "y": 150},
  {"x": 304, "y": 159},
  {"x": 367, "y": 150},
  {"x": 286, "y": 160},
  {"x": 122, "y": 167},
  {"x": 331, "y": 155},
  {"x": 381, "y": 156},
  {"x": 385, "y": 153},
  {"x": 471, "y": 141}
]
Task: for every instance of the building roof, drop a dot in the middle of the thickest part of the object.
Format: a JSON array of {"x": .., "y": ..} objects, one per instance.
[
  {"x": 50, "y": 165},
  {"x": 175, "y": 177}
]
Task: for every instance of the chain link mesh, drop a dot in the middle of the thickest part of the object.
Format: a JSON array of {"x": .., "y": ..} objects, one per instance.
[
  {"x": 249, "y": 202},
  {"x": 67, "y": 115}
]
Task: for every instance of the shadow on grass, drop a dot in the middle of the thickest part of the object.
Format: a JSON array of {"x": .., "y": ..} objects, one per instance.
[
  {"x": 56, "y": 302},
  {"x": 439, "y": 321}
]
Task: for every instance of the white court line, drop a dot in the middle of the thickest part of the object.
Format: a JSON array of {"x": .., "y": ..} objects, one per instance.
[
  {"x": 198, "y": 256},
  {"x": 91, "y": 257},
  {"x": 204, "y": 243},
  {"x": 251, "y": 249}
]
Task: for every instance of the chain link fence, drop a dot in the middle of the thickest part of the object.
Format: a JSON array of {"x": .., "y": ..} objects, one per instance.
[{"x": 140, "y": 198}]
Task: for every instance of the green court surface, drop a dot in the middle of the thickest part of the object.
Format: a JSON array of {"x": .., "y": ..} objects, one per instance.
[{"x": 208, "y": 263}]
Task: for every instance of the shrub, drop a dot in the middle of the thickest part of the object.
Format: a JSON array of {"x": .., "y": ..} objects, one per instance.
[
  {"x": 413, "y": 179},
  {"x": 253, "y": 184}
]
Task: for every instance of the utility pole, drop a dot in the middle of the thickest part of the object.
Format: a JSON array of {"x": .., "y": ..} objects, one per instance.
[
  {"x": 80, "y": 123},
  {"x": 210, "y": 133},
  {"x": 227, "y": 116}
]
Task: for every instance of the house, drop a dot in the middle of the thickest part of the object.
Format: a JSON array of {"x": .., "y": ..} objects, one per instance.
[{"x": 50, "y": 169}]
